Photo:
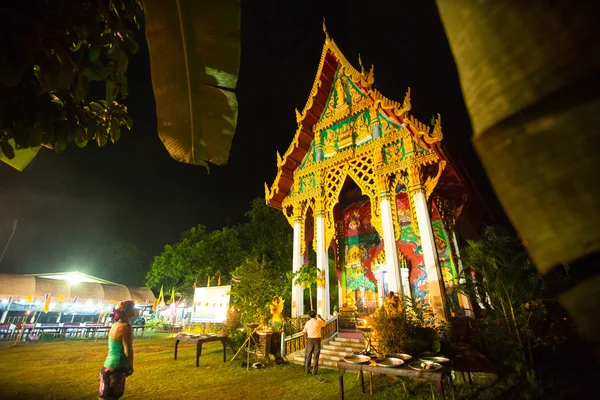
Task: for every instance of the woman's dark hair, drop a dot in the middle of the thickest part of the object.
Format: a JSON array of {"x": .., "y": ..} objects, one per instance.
[
  {"x": 123, "y": 306},
  {"x": 312, "y": 313}
]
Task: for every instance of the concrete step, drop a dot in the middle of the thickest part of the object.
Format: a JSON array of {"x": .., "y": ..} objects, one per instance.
[
  {"x": 338, "y": 347},
  {"x": 349, "y": 340},
  {"x": 333, "y": 357},
  {"x": 348, "y": 344},
  {"x": 336, "y": 352},
  {"x": 329, "y": 363}
]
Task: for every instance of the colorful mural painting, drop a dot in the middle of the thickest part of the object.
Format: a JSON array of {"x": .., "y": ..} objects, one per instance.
[
  {"x": 445, "y": 257},
  {"x": 361, "y": 245},
  {"x": 410, "y": 246}
]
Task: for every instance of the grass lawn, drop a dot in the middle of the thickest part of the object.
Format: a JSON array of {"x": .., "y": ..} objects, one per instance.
[{"x": 70, "y": 370}]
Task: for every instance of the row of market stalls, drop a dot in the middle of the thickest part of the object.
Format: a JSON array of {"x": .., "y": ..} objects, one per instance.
[{"x": 65, "y": 297}]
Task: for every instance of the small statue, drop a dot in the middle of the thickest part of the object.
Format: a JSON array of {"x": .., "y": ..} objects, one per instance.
[{"x": 276, "y": 311}]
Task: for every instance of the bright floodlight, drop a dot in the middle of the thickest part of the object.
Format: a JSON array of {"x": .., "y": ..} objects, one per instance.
[{"x": 74, "y": 277}]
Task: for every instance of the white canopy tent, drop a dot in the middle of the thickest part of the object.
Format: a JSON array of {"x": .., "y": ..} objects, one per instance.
[{"x": 68, "y": 287}]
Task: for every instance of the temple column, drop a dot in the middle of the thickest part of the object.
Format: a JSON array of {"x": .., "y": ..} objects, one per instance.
[
  {"x": 322, "y": 264},
  {"x": 432, "y": 266},
  {"x": 462, "y": 299},
  {"x": 405, "y": 276},
  {"x": 297, "y": 291},
  {"x": 389, "y": 239},
  {"x": 389, "y": 246}
]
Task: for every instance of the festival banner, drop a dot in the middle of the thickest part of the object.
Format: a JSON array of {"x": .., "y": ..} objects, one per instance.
[{"x": 211, "y": 304}]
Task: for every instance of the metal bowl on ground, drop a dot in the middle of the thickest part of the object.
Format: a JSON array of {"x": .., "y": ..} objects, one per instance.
[
  {"x": 402, "y": 356},
  {"x": 357, "y": 359},
  {"x": 439, "y": 360},
  {"x": 389, "y": 362}
]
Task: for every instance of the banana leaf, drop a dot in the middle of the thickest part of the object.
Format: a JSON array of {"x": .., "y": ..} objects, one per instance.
[
  {"x": 22, "y": 158},
  {"x": 527, "y": 71},
  {"x": 194, "y": 61}
]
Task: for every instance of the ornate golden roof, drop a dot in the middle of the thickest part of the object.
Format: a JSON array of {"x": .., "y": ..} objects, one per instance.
[{"x": 331, "y": 60}]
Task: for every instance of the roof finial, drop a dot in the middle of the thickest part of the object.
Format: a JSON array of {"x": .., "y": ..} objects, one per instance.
[
  {"x": 327, "y": 38},
  {"x": 406, "y": 105},
  {"x": 362, "y": 67}
]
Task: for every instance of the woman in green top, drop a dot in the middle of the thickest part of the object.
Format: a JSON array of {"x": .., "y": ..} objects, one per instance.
[{"x": 119, "y": 362}]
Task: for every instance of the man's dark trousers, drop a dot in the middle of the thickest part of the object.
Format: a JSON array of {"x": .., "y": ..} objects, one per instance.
[{"x": 313, "y": 345}]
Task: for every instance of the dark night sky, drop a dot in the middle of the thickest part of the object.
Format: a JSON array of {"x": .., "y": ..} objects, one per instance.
[{"x": 70, "y": 204}]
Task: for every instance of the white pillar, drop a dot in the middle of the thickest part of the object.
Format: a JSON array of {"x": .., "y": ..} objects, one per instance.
[
  {"x": 380, "y": 288},
  {"x": 405, "y": 275},
  {"x": 297, "y": 291},
  {"x": 322, "y": 266},
  {"x": 432, "y": 267},
  {"x": 391, "y": 252},
  {"x": 463, "y": 300}
]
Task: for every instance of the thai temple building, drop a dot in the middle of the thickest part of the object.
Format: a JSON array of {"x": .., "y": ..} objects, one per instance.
[{"x": 365, "y": 183}]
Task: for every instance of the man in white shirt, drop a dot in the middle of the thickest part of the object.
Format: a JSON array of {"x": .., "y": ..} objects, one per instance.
[{"x": 312, "y": 330}]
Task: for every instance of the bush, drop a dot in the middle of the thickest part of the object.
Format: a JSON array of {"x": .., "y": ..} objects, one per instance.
[
  {"x": 202, "y": 328},
  {"x": 407, "y": 332},
  {"x": 158, "y": 325},
  {"x": 259, "y": 283}
]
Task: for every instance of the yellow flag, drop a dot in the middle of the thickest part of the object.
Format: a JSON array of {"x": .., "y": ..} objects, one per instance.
[
  {"x": 161, "y": 297},
  {"x": 219, "y": 282},
  {"x": 173, "y": 295},
  {"x": 29, "y": 299},
  {"x": 208, "y": 283},
  {"x": 47, "y": 303},
  {"x": 61, "y": 298}
]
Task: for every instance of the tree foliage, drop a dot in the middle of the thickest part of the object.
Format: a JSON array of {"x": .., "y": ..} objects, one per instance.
[
  {"x": 52, "y": 53},
  {"x": 268, "y": 234},
  {"x": 121, "y": 262},
  {"x": 521, "y": 321},
  {"x": 198, "y": 257},
  {"x": 307, "y": 276},
  {"x": 203, "y": 255},
  {"x": 258, "y": 283}
]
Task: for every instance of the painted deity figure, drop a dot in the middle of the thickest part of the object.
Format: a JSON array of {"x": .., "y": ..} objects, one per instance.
[
  {"x": 329, "y": 143},
  {"x": 354, "y": 223},
  {"x": 363, "y": 131},
  {"x": 276, "y": 311},
  {"x": 340, "y": 89}
]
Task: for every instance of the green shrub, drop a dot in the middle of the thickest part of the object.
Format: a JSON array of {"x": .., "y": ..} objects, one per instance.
[
  {"x": 408, "y": 332},
  {"x": 158, "y": 325}
]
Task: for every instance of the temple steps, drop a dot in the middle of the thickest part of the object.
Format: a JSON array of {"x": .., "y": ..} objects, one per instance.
[{"x": 333, "y": 351}]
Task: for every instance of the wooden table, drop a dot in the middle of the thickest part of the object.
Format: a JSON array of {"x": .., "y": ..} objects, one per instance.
[
  {"x": 436, "y": 378},
  {"x": 199, "y": 340}
]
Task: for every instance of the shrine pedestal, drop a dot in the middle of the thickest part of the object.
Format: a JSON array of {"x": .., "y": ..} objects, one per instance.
[{"x": 269, "y": 342}]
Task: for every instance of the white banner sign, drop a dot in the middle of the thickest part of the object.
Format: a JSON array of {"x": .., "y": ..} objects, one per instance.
[{"x": 211, "y": 304}]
